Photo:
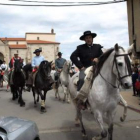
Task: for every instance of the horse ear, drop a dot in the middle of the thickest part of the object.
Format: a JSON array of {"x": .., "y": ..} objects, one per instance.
[
  {"x": 116, "y": 47},
  {"x": 130, "y": 50},
  {"x": 50, "y": 62}
]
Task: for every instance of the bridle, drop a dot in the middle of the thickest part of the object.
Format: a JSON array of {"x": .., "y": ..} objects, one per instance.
[{"x": 128, "y": 64}]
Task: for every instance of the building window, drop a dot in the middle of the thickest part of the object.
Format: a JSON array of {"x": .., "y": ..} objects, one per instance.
[
  {"x": 40, "y": 48},
  {"x": 17, "y": 42},
  {"x": 37, "y": 38}
]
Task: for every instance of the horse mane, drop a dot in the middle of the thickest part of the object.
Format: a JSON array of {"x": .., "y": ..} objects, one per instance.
[
  {"x": 45, "y": 62},
  {"x": 102, "y": 59},
  {"x": 42, "y": 63}
]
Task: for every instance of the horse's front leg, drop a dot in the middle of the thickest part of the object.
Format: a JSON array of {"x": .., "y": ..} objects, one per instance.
[
  {"x": 43, "y": 108},
  {"x": 84, "y": 135},
  {"x": 110, "y": 117},
  {"x": 33, "y": 90},
  {"x": 65, "y": 92},
  {"x": 22, "y": 103},
  {"x": 67, "y": 95},
  {"x": 125, "y": 108},
  {"x": 57, "y": 90},
  {"x": 99, "y": 118}
]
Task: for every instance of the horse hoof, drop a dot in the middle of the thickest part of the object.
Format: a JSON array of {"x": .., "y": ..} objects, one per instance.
[
  {"x": 77, "y": 123},
  {"x": 13, "y": 98},
  {"x": 43, "y": 109},
  {"x": 22, "y": 104},
  {"x": 121, "y": 119},
  {"x": 68, "y": 101},
  {"x": 85, "y": 137},
  {"x": 97, "y": 138}
]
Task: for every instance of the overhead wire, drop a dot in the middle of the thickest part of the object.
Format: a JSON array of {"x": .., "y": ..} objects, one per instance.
[
  {"x": 48, "y": 1},
  {"x": 62, "y": 5}
]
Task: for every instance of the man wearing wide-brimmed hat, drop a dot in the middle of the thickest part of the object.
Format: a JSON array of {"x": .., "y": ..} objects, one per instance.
[
  {"x": 84, "y": 56},
  {"x": 37, "y": 59}
]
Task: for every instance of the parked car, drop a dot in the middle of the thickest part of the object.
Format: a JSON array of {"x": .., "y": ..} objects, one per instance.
[{"x": 13, "y": 128}]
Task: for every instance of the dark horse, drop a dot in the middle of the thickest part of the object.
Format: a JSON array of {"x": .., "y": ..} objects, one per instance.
[
  {"x": 42, "y": 82},
  {"x": 18, "y": 79}
]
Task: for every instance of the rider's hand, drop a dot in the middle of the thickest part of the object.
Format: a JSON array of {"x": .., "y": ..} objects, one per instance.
[
  {"x": 36, "y": 67},
  {"x": 95, "y": 60},
  {"x": 82, "y": 68},
  {"x": 59, "y": 70}
]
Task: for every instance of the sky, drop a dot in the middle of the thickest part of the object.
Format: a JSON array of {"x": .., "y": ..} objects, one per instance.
[{"x": 108, "y": 21}]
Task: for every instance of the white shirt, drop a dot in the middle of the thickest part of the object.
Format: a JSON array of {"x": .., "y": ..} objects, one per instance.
[{"x": 3, "y": 66}]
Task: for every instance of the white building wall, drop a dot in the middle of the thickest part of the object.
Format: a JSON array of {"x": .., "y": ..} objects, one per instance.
[
  {"x": 44, "y": 37},
  {"x": 21, "y": 52},
  {"x": 15, "y": 42},
  {"x": 49, "y": 51}
]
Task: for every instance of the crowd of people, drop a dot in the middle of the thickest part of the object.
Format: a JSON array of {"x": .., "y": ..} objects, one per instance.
[{"x": 136, "y": 81}]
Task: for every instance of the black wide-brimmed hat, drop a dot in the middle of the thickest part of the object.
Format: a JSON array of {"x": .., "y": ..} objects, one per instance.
[
  {"x": 37, "y": 50},
  {"x": 87, "y": 33},
  {"x": 59, "y": 53}
]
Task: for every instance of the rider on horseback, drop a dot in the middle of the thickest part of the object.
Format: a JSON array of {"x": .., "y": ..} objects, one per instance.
[
  {"x": 11, "y": 66},
  {"x": 35, "y": 65},
  {"x": 59, "y": 62},
  {"x": 83, "y": 57}
]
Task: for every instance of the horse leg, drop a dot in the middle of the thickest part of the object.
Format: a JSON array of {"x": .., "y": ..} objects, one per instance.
[
  {"x": 33, "y": 90},
  {"x": 84, "y": 135},
  {"x": 57, "y": 90},
  {"x": 110, "y": 117},
  {"x": 67, "y": 95},
  {"x": 13, "y": 92},
  {"x": 65, "y": 92},
  {"x": 77, "y": 122},
  {"x": 99, "y": 119},
  {"x": 22, "y": 103},
  {"x": 125, "y": 109},
  {"x": 43, "y": 109}
]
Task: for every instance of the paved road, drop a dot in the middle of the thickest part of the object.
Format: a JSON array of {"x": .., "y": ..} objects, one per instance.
[{"x": 58, "y": 121}]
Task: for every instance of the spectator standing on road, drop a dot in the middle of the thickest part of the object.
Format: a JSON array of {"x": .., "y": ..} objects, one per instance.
[{"x": 134, "y": 78}]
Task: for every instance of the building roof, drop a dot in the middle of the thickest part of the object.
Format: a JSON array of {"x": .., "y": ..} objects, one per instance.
[
  {"x": 13, "y": 39},
  {"x": 41, "y": 42},
  {"x": 21, "y": 46},
  {"x": 40, "y": 33}
]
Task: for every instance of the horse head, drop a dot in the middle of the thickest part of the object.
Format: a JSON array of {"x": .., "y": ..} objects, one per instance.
[
  {"x": 67, "y": 66},
  {"x": 18, "y": 65},
  {"x": 45, "y": 68},
  {"x": 122, "y": 66}
]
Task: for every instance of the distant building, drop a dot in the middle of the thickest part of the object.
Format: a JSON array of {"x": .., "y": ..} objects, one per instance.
[
  {"x": 26, "y": 46},
  {"x": 133, "y": 10}
]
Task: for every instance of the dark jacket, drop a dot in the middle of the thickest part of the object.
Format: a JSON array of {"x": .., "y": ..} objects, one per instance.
[
  {"x": 83, "y": 55},
  {"x": 134, "y": 77}
]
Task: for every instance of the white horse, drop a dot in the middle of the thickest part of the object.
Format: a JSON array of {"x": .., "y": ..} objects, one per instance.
[
  {"x": 63, "y": 81},
  {"x": 112, "y": 70}
]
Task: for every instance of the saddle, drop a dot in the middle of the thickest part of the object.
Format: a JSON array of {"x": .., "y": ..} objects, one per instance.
[{"x": 87, "y": 73}]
